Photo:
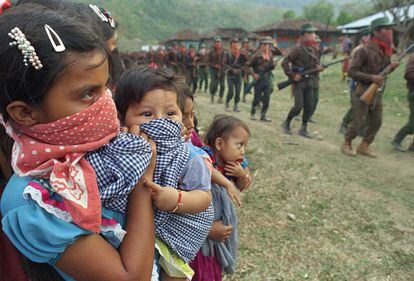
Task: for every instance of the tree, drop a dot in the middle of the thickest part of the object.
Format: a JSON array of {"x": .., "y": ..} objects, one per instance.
[
  {"x": 321, "y": 11},
  {"x": 289, "y": 14},
  {"x": 344, "y": 17},
  {"x": 399, "y": 9}
]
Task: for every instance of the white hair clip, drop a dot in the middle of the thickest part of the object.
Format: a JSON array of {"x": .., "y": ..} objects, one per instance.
[
  {"x": 59, "y": 47},
  {"x": 29, "y": 54},
  {"x": 102, "y": 16}
]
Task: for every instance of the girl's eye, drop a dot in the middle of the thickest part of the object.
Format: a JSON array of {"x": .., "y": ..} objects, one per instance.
[
  {"x": 171, "y": 113},
  {"x": 88, "y": 95}
]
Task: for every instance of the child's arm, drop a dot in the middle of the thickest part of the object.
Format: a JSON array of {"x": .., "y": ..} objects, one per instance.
[
  {"x": 219, "y": 231},
  {"x": 220, "y": 179},
  {"x": 169, "y": 199},
  {"x": 242, "y": 176}
]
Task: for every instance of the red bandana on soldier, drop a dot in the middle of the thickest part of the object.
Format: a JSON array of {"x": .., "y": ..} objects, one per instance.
[
  {"x": 385, "y": 41},
  {"x": 56, "y": 150}
]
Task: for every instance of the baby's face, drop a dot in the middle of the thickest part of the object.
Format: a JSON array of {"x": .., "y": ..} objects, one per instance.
[{"x": 155, "y": 104}]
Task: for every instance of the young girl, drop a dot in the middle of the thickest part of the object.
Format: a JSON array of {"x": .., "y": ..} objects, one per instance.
[
  {"x": 149, "y": 98},
  {"x": 53, "y": 98},
  {"x": 226, "y": 141}
]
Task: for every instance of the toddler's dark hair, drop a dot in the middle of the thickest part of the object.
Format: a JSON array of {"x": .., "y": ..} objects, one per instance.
[
  {"x": 221, "y": 127},
  {"x": 139, "y": 80},
  {"x": 186, "y": 93},
  {"x": 19, "y": 82}
]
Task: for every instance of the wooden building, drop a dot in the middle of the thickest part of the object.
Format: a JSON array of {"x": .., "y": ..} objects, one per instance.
[
  {"x": 186, "y": 36},
  {"x": 287, "y": 32}
]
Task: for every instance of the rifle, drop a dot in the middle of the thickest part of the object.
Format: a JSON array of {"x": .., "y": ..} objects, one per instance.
[
  {"x": 250, "y": 85},
  {"x": 371, "y": 92},
  {"x": 307, "y": 73}
]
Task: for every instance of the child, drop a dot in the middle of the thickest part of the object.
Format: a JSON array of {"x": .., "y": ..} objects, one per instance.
[
  {"x": 55, "y": 105},
  {"x": 187, "y": 108},
  {"x": 149, "y": 98},
  {"x": 226, "y": 141}
]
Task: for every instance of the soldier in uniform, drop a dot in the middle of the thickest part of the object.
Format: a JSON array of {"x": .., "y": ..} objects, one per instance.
[
  {"x": 247, "y": 52},
  {"x": 172, "y": 57},
  {"x": 366, "y": 64},
  {"x": 261, "y": 64},
  {"x": 304, "y": 56},
  {"x": 408, "y": 129},
  {"x": 191, "y": 68},
  {"x": 234, "y": 62},
  {"x": 215, "y": 62},
  {"x": 160, "y": 57},
  {"x": 202, "y": 67},
  {"x": 182, "y": 60}
]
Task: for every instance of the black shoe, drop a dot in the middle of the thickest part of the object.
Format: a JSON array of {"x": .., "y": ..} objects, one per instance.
[
  {"x": 236, "y": 108},
  {"x": 397, "y": 146},
  {"x": 286, "y": 127},
  {"x": 265, "y": 119},
  {"x": 304, "y": 131},
  {"x": 253, "y": 117}
]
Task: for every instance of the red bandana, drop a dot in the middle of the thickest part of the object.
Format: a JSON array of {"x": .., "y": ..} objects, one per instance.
[
  {"x": 56, "y": 150},
  {"x": 386, "y": 47}
]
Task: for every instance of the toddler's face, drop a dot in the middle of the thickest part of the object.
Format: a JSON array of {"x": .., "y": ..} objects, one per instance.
[
  {"x": 155, "y": 104},
  {"x": 234, "y": 146},
  {"x": 188, "y": 115}
]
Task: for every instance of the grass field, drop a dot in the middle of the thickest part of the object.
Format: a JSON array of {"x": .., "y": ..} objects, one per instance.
[{"x": 314, "y": 213}]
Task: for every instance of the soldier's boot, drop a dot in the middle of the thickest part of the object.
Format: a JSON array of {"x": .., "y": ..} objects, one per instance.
[
  {"x": 304, "y": 131},
  {"x": 411, "y": 148},
  {"x": 227, "y": 107},
  {"x": 265, "y": 119},
  {"x": 236, "y": 108},
  {"x": 212, "y": 99},
  {"x": 220, "y": 100},
  {"x": 253, "y": 117},
  {"x": 347, "y": 148},
  {"x": 396, "y": 143},
  {"x": 363, "y": 149},
  {"x": 286, "y": 127}
]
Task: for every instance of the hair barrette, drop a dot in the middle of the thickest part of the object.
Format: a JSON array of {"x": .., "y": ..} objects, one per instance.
[
  {"x": 28, "y": 51},
  {"x": 102, "y": 16},
  {"x": 59, "y": 46}
]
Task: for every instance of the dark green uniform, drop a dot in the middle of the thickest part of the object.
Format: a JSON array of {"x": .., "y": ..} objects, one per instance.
[
  {"x": 234, "y": 65},
  {"x": 215, "y": 62},
  {"x": 408, "y": 129},
  {"x": 202, "y": 69}
]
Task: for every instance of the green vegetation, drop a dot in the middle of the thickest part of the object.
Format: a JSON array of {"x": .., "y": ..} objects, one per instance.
[{"x": 354, "y": 217}]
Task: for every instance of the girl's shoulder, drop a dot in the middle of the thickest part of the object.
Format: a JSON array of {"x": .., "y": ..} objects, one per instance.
[{"x": 196, "y": 151}]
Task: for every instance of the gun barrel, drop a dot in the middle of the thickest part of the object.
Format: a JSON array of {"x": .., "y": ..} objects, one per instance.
[{"x": 284, "y": 84}]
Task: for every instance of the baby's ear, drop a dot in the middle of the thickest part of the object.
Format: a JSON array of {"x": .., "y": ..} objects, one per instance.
[
  {"x": 219, "y": 144},
  {"x": 23, "y": 113}
]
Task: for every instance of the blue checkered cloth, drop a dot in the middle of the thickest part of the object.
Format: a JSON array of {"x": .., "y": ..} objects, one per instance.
[
  {"x": 118, "y": 166},
  {"x": 226, "y": 252},
  {"x": 183, "y": 233}
]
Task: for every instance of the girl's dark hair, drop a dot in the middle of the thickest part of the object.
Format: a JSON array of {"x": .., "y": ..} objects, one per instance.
[
  {"x": 221, "y": 127},
  {"x": 186, "y": 93},
  {"x": 24, "y": 83},
  {"x": 139, "y": 80}
]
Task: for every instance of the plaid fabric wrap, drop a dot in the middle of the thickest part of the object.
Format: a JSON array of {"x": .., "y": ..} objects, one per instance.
[
  {"x": 226, "y": 252},
  {"x": 183, "y": 233},
  {"x": 118, "y": 166}
]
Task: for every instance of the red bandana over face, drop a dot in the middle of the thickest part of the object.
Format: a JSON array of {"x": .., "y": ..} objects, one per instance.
[{"x": 56, "y": 150}]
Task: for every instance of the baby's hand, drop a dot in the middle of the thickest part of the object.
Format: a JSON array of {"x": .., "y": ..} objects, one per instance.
[
  {"x": 234, "y": 169},
  {"x": 165, "y": 198},
  {"x": 219, "y": 231},
  {"x": 234, "y": 194}
]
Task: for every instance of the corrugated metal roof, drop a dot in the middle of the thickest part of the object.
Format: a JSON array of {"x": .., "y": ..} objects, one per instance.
[
  {"x": 293, "y": 25},
  {"x": 361, "y": 23}
]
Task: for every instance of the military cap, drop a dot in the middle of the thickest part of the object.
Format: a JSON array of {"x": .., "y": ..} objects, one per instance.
[
  {"x": 174, "y": 43},
  {"x": 266, "y": 40},
  {"x": 217, "y": 39},
  {"x": 182, "y": 44},
  {"x": 234, "y": 40},
  {"x": 191, "y": 46},
  {"x": 381, "y": 22},
  {"x": 203, "y": 45},
  {"x": 308, "y": 27},
  {"x": 365, "y": 31},
  {"x": 246, "y": 40}
]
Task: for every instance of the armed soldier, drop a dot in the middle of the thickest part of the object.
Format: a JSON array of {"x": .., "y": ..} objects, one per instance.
[
  {"x": 408, "y": 129},
  {"x": 202, "y": 67},
  {"x": 234, "y": 62},
  {"x": 215, "y": 62},
  {"x": 191, "y": 68},
  {"x": 366, "y": 65},
  {"x": 262, "y": 64},
  {"x": 172, "y": 60},
  {"x": 247, "y": 51},
  {"x": 304, "y": 56}
]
